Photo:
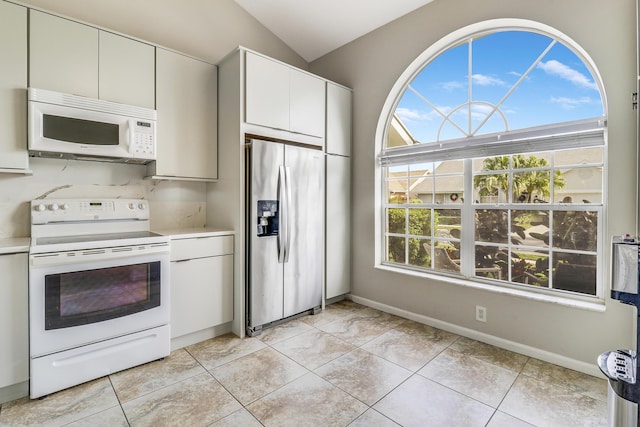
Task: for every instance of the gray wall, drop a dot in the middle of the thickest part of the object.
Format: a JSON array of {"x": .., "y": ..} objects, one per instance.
[{"x": 372, "y": 64}]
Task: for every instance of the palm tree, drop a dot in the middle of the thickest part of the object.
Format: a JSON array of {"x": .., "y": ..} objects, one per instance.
[{"x": 525, "y": 183}]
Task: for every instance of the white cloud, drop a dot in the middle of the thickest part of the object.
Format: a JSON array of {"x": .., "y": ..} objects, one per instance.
[
  {"x": 571, "y": 103},
  {"x": 452, "y": 85},
  {"x": 563, "y": 71},
  {"x": 407, "y": 115},
  {"x": 482, "y": 80}
]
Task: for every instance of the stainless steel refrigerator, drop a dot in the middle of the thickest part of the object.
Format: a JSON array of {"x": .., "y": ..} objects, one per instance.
[{"x": 284, "y": 231}]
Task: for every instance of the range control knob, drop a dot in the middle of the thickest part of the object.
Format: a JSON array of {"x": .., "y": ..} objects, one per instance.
[
  {"x": 141, "y": 206},
  {"x": 53, "y": 207},
  {"x": 64, "y": 207},
  {"x": 131, "y": 206},
  {"x": 39, "y": 207}
]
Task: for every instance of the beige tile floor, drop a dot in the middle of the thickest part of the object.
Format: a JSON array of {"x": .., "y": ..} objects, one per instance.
[{"x": 347, "y": 366}]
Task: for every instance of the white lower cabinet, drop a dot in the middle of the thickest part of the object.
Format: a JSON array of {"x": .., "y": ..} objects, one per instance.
[
  {"x": 14, "y": 319},
  {"x": 201, "y": 283}
]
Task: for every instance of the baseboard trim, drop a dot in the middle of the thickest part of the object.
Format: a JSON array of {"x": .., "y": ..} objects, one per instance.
[
  {"x": 13, "y": 392},
  {"x": 556, "y": 359},
  {"x": 199, "y": 336}
]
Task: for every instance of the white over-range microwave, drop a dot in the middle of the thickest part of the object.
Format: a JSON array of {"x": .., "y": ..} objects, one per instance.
[{"x": 61, "y": 125}]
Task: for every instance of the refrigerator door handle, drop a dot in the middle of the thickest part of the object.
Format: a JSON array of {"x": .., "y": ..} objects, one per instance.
[
  {"x": 287, "y": 224},
  {"x": 282, "y": 185}
]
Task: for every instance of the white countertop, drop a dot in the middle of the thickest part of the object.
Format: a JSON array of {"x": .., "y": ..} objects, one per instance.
[
  {"x": 11, "y": 245},
  {"x": 190, "y": 233}
]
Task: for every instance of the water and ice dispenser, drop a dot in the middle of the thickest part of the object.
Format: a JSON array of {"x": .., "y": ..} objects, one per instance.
[
  {"x": 621, "y": 366},
  {"x": 267, "y": 220}
]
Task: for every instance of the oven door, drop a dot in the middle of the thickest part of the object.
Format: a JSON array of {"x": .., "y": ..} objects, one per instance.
[{"x": 74, "y": 303}]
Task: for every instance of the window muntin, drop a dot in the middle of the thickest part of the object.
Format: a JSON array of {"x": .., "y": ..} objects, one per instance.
[{"x": 537, "y": 215}]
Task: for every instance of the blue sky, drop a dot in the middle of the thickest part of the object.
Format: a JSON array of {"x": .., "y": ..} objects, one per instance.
[{"x": 558, "y": 88}]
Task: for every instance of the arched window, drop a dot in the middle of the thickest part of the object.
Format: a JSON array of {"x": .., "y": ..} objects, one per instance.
[{"x": 492, "y": 161}]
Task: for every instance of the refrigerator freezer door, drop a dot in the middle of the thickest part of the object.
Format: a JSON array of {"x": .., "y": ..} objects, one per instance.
[
  {"x": 303, "y": 271},
  {"x": 265, "y": 274}
]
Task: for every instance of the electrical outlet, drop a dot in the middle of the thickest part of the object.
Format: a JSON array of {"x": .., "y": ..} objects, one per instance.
[{"x": 481, "y": 313}]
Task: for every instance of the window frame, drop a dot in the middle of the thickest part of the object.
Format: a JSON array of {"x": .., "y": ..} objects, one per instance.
[{"x": 591, "y": 128}]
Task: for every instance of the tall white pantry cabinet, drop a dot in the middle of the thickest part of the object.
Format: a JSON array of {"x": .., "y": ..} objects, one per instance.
[
  {"x": 267, "y": 98},
  {"x": 338, "y": 192}
]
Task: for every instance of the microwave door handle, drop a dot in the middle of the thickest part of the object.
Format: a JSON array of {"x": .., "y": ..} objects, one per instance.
[{"x": 131, "y": 136}]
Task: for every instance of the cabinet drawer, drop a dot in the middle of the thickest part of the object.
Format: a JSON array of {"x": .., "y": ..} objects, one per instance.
[{"x": 182, "y": 249}]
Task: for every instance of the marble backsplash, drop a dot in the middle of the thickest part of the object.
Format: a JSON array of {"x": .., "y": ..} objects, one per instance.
[{"x": 173, "y": 204}]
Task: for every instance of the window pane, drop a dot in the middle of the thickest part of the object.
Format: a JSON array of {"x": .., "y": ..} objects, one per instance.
[
  {"x": 580, "y": 185},
  {"x": 576, "y": 230},
  {"x": 492, "y": 225},
  {"x": 530, "y": 228},
  {"x": 491, "y": 188},
  {"x": 420, "y": 252},
  {"x": 444, "y": 258},
  {"x": 531, "y": 186},
  {"x": 448, "y": 223},
  {"x": 421, "y": 189},
  {"x": 449, "y": 189},
  {"x": 491, "y": 163},
  {"x": 396, "y": 247},
  {"x": 491, "y": 262},
  {"x": 579, "y": 156},
  {"x": 421, "y": 169},
  {"x": 576, "y": 272},
  {"x": 420, "y": 222},
  {"x": 531, "y": 160},
  {"x": 397, "y": 191},
  {"x": 530, "y": 267},
  {"x": 396, "y": 222}
]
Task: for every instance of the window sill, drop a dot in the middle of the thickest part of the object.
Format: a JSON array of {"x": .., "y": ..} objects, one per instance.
[{"x": 592, "y": 304}]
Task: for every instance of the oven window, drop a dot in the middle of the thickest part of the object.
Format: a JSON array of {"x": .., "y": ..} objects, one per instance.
[
  {"x": 90, "y": 296},
  {"x": 80, "y": 131}
]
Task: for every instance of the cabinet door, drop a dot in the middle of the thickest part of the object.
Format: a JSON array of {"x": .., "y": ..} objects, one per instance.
[
  {"x": 186, "y": 100},
  {"x": 266, "y": 92},
  {"x": 201, "y": 294},
  {"x": 14, "y": 320},
  {"x": 126, "y": 70},
  {"x": 306, "y": 104},
  {"x": 13, "y": 85},
  {"x": 338, "y": 120},
  {"x": 338, "y": 230},
  {"x": 63, "y": 55}
]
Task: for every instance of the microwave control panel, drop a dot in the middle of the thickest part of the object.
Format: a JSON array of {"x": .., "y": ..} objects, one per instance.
[{"x": 144, "y": 144}]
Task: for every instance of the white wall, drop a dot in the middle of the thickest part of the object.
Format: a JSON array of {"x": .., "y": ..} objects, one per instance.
[
  {"x": 202, "y": 28},
  {"x": 372, "y": 64}
]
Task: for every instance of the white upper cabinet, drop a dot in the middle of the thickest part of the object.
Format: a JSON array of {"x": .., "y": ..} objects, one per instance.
[
  {"x": 13, "y": 85},
  {"x": 187, "y": 105},
  {"x": 63, "y": 55},
  {"x": 338, "y": 120},
  {"x": 126, "y": 70},
  {"x": 282, "y": 97},
  {"x": 266, "y": 92},
  {"x": 70, "y": 57},
  {"x": 306, "y": 103}
]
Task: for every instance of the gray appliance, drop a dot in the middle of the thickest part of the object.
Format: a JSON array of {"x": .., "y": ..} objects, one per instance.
[
  {"x": 284, "y": 231},
  {"x": 621, "y": 366}
]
